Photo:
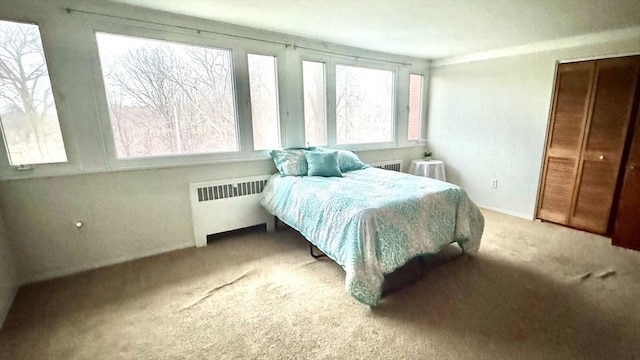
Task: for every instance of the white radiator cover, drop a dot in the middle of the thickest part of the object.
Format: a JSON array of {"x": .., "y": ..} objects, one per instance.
[{"x": 229, "y": 204}]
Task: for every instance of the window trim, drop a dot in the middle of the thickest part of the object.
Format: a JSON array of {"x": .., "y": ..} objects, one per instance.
[
  {"x": 162, "y": 159},
  {"x": 71, "y": 166},
  {"x": 243, "y": 93},
  {"x": 83, "y": 126},
  {"x": 326, "y": 69},
  {"x": 421, "y": 109},
  {"x": 244, "y": 130},
  {"x": 279, "y": 103},
  {"x": 395, "y": 121},
  {"x": 422, "y": 132},
  {"x": 107, "y": 129}
]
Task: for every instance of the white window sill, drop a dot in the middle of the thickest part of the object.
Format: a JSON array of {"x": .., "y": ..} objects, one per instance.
[{"x": 50, "y": 170}]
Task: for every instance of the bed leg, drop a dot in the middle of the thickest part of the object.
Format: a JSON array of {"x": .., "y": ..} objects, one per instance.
[
  {"x": 315, "y": 256},
  {"x": 463, "y": 250},
  {"x": 422, "y": 265},
  {"x": 460, "y": 246},
  {"x": 271, "y": 223}
]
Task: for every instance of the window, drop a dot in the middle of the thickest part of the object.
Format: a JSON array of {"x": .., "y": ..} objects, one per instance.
[
  {"x": 364, "y": 105},
  {"x": 415, "y": 106},
  {"x": 264, "y": 101},
  {"x": 167, "y": 98},
  {"x": 28, "y": 115},
  {"x": 315, "y": 109}
]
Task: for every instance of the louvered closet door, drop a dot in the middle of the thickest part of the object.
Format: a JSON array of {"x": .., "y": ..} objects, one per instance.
[
  {"x": 607, "y": 126},
  {"x": 568, "y": 120}
]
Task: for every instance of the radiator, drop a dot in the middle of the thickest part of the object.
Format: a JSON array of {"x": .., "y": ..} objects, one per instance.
[
  {"x": 394, "y": 165},
  {"x": 230, "y": 204}
]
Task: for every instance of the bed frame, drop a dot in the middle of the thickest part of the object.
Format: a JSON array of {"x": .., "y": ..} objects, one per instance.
[{"x": 390, "y": 284}]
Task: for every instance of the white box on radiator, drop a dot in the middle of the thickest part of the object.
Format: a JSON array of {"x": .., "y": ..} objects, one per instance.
[{"x": 229, "y": 204}]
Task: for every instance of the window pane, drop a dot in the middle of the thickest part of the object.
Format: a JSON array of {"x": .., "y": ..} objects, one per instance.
[
  {"x": 364, "y": 105},
  {"x": 415, "y": 105},
  {"x": 264, "y": 102},
  {"x": 168, "y": 98},
  {"x": 315, "y": 108},
  {"x": 27, "y": 110}
]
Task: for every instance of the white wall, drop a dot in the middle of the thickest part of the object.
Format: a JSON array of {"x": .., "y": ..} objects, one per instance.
[
  {"x": 488, "y": 119},
  {"x": 126, "y": 215},
  {"x": 135, "y": 213},
  {"x": 8, "y": 274}
]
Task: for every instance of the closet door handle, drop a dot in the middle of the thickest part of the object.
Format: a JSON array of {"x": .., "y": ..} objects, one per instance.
[{"x": 601, "y": 157}]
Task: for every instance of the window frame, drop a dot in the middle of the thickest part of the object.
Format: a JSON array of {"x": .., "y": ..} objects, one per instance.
[
  {"x": 112, "y": 147},
  {"x": 240, "y": 51},
  {"x": 82, "y": 107},
  {"x": 421, "y": 106},
  {"x": 422, "y": 120},
  {"x": 326, "y": 62},
  {"x": 103, "y": 108},
  {"x": 240, "y": 80},
  {"x": 9, "y": 171},
  {"x": 280, "y": 88},
  {"x": 396, "y": 70}
]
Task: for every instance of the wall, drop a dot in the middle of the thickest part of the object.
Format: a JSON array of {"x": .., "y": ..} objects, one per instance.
[
  {"x": 129, "y": 214},
  {"x": 8, "y": 274},
  {"x": 126, "y": 214},
  {"x": 488, "y": 119},
  {"x": 76, "y": 76}
]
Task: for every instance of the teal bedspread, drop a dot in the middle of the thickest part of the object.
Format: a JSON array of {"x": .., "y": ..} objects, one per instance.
[{"x": 373, "y": 221}]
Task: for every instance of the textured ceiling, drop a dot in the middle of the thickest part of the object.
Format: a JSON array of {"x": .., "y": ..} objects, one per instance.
[{"x": 427, "y": 29}]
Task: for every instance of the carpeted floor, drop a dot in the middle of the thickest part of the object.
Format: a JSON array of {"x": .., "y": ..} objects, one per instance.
[{"x": 535, "y": 291}]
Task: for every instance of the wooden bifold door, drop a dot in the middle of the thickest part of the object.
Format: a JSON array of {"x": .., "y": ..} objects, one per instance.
[
  {"x": 593, "y": 105},
  {"x": 626, "y": 231}
]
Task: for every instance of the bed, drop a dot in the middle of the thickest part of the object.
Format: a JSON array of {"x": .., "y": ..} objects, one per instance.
[{"x": 372, "y": 221}]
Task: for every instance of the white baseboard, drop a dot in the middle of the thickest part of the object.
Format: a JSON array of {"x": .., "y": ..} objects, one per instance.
[
  {"x": 52, "y": 274},
  {"x": 4, "y": 309},
  {"x": 508, "y": 212}
]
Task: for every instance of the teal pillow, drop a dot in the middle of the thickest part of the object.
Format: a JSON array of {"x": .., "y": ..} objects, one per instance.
[
  {"x": 290, "y": 162},
  {"x": 323, "y": 164},
  {"x": 347, "y": 160}
]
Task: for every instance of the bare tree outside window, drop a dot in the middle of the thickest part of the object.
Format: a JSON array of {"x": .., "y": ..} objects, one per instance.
[
  {"x": 263, "y": 86},
  {"x": 315, "y": 108},
  {"x": 415, "y": 106},
  {"x": 364, "y": 105},
  {"x": 167, "y": 98},
  {"x": 27, "y": 110}
]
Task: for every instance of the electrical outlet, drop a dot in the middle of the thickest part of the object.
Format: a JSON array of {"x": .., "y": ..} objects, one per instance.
[{"x": 494, "y": 183}]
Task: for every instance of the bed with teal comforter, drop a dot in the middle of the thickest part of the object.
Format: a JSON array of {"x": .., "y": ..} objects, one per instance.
[{"x": 373, "y": 221}]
